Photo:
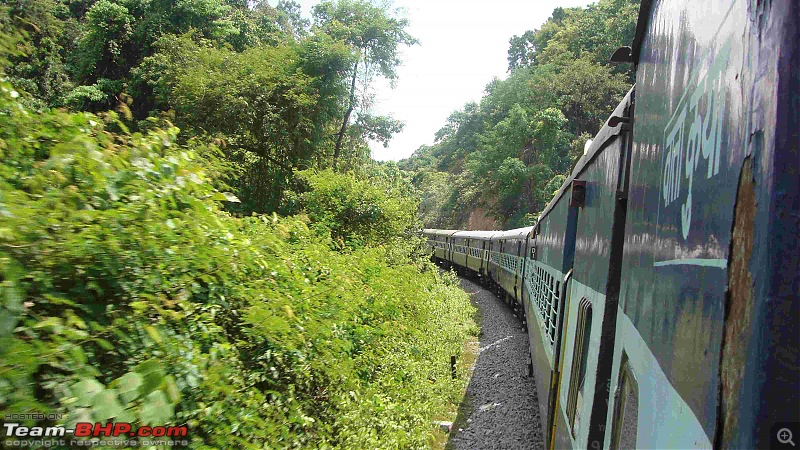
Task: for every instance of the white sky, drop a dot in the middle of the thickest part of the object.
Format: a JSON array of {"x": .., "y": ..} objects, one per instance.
[{"x": 463, "y": 45}]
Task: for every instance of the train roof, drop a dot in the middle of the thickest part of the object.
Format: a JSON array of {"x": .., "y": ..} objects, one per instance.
[
  {"x": 437, "y": 232},
  {"x": 477, "y": 234},
  {"x": 517, "y": 233}
]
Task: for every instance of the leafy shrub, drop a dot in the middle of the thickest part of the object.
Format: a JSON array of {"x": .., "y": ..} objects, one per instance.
[
  {"x": 127, "y": 293},
  {"x": 367, "y": 210}
]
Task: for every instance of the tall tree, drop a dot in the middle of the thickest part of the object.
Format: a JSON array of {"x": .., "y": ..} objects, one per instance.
[{"x": 375, "y": 36}]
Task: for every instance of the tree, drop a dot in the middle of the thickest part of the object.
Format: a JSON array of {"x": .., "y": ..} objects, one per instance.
[
  {"x": 374, "y": 36},
  {"x": 586, "y": 92},
  {"x": 525, "y": 50},
  {"x": 40, "y": 69},
  {"x": 364, "y": 210},
  {"x": 291, "y": 19},
  {"x": 378, "y": 128},
  {"x": 105, "y": 48},
  {"x": 272, "y": 93},
  {"x": 521, "y": 50},
  {"x": 274, "y": 107}
]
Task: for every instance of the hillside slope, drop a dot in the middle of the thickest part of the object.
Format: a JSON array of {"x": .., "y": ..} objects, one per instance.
[{"x": 510, "y": 152}]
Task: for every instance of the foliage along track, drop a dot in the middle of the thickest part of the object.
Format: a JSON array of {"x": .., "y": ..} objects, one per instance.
[{"x": 499, "y": 408}]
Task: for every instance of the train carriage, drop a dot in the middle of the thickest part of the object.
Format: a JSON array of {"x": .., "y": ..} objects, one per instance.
[
  {"x": 439, "y": 243},
  {"x": 513, "y": 245},
  {"x": 689, "y": 161},
  {"x": 477, "y": 250},
  {"x": 572, "y": 274},
  {"x": 548, "y": 267},
  {"x": 459, "y": 253},
  {"x": 495, "y": 247}
]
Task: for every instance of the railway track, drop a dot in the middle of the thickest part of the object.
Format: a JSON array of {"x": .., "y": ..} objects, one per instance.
[{"x": 499, "y": 410}]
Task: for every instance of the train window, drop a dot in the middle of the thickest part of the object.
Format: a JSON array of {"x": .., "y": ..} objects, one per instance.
[
  {"x": 626, "y": 409},
  {"x": 577, "y": 377}
]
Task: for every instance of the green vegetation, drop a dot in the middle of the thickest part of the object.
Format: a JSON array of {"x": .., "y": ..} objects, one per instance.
[
  {"x": 128, "y": 293},
  {"x": 372, "y": 209},
  {"x": 274, "y": 90},
  {"x": 511, "y": 152},
  {"x": 223, "y": 276}
]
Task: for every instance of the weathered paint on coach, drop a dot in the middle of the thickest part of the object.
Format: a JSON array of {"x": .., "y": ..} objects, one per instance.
[{"x": 709, "y": 312}]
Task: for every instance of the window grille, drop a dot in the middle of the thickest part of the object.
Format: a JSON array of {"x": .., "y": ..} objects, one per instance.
[{"x": 544, "y": 292}]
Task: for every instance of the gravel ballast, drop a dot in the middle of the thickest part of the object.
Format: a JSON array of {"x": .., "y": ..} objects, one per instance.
[{"x": 500, "y": 401}]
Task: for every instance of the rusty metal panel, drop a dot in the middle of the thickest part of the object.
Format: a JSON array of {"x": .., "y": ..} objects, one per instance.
[{"x": 739, "y": 308}]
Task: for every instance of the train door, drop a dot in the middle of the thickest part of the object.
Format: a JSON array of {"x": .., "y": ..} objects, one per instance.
[
  {"x": 468, "y": 260},
  {"x": 474, "y": 257},
  {"x": 485, "y": 245},
  {"x": 463, "y": 244},
  {"x": 500, "y": 270},
  {"x": 522, "y": 270},
  {"x": 464, "y": 256},
  {"x": 495, "y": 263},
  {"x": 517, "y": 267},
  {"x": 449, "y": 250},
  {"x": 468, "y": 253},
  {"x": 509, "y": 252}
]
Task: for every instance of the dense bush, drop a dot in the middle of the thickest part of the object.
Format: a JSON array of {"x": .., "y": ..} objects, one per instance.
[
  {"x": 127, "y": 293},
  {"x": 370, "y": 209}
]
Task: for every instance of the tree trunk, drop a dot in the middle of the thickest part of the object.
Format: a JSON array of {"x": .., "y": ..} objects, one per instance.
[{"x": 340, "y": 137}]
